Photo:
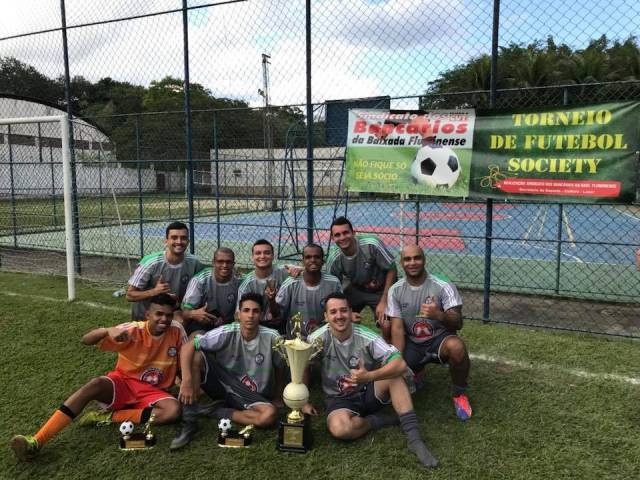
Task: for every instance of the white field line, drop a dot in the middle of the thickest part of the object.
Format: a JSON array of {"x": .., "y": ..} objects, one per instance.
[
  {"x": 62, "y": 300},
  {"x": 542, "y": 366},
  {"x": 477, "y": 356}
]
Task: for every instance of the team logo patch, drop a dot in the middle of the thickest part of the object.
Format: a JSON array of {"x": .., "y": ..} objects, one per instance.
[
  {"x": 248, "y": 382},
  {"x": 172, "y": 351},
  {"x": 353, "y": 361},
  {"x": 184, "y": 278},
  {"x": 367, "y": 265},
  {"x": 152, "y": 376},
  {"x": 422, "y": 330},
  {"x": 231, "y": 298},
  {"x": 345, "y": 385},
  {"x": 259, "y": 358}
]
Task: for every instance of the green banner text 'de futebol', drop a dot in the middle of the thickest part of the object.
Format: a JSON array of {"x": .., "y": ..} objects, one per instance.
[{"x": 580, "y": 154}]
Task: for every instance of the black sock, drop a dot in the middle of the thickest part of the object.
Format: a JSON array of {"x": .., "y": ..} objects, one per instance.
[{"x": 409, "y": 424}]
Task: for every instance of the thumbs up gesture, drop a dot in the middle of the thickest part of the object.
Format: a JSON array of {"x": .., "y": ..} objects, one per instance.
[{"x": 360, "y": 375}]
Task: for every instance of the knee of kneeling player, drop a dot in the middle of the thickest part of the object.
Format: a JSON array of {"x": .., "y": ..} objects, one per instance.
[{"x": 456, "y": 351}]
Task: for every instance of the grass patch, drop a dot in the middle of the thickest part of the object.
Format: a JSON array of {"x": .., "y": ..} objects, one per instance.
[{"x": 534, "y": 420}]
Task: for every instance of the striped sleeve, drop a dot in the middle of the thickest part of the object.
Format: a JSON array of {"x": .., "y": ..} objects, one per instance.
[
  {"x": 242, "y": 289},
  {"x": 333, "y": 266},
  {"x": 384, "y": 258},
  {"x": 393, "y": 305},
  {"x": 450, "y": 297},
  {"x": 193, "y": 298},
  {"x": 144, "y": 271},
  {"x": 216, "y": 339}
]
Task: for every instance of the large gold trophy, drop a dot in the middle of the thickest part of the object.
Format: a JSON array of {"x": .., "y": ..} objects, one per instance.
[{"x": 294, "y": 434}]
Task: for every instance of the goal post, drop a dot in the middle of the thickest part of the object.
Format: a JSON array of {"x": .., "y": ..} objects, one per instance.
[{"x": 63, "y": 121}]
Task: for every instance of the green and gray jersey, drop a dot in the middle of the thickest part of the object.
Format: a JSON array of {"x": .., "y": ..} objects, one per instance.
[
  {"x": 252, "y": 284},
  {"x": 367, "y": 268},
  {"x": 250, "y": 362},
  {"x": 295, "y": 296},
  {"x": 149, "y": 270},
  {"x": 220, "y": 298},
  {"x": 404, "y": 302},
  {"x": 338, "y": 358}
]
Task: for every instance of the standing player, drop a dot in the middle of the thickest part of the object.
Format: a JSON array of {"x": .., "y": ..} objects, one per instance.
[
  {"x": 238, "y": 363},
  {"x": 147, "y": 364},
  {"x": 163, "y": 272},
  {"x": 426, "y": 313},
  {"x": 211, "y": 296},
  {"x": 265, "y": 280},
  {"x": 361, "y": 374},
  {"x": 305, "y": 294},
  {"x": 367, "y": 266}
]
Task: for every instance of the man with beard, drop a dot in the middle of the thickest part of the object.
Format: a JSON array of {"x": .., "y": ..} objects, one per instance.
[{"x": 426, "y": 313}]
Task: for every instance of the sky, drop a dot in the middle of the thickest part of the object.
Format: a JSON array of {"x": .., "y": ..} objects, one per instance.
[{"x": 360, "y": 48}]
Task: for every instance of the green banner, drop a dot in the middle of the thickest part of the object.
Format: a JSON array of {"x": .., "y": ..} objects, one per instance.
[
  {"x": 585, "y": 154},
  {"x": 581, "y": 154}
]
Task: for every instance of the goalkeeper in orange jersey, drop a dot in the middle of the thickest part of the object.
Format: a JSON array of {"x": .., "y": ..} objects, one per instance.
[{"x": 147, "y": 365}]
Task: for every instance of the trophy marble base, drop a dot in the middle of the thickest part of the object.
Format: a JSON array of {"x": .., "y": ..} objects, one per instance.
[
  {"x": 295, "y": 436},
  {"x": 234, "y": 439},
  {"x": 137, "y": 441}
]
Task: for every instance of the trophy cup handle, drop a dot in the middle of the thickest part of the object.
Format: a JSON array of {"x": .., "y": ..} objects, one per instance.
[{"x": 296, "y": 331}]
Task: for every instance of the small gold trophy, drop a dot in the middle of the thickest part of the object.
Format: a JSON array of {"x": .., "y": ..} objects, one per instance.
[
  {"x": 137, "y": 441},
  {"x": 294, "y": 434},
  {"x": 229, "y": 437}
]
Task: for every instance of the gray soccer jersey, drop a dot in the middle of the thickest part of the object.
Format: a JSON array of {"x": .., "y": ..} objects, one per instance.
[
  {"x": 251, "y": 283},
  {"x": 295, "y": 296},
  {"x": 338, "y": 358},
  {"x": 149, "y": 270},
  {"x": 250, "y": 362},
  {"x": 404, "y": 302},
  {"x": 367, "y": 269},
  {"x": 220, "y": 298}
]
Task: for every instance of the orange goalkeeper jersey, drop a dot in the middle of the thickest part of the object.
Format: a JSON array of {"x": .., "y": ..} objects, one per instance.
[{"x": 147, "y": 358}]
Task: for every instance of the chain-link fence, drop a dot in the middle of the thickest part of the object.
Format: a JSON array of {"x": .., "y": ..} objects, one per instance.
[{"x": 240, "y": 158}]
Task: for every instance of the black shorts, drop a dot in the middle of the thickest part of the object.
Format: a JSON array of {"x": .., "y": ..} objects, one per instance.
[
  {"x": 361, "y": 403},
  {"x": 358, "y": 299},
  {"x": 220, "y": 384},
  {"x": 419, "y": 354}
]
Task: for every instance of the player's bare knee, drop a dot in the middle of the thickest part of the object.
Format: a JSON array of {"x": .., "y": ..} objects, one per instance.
[
  {"x": 96, "y": 387},
  {"x": 456, "y": 351},
  {"x": 340, "y": 427},
  {"x": 167, "y": 411}
]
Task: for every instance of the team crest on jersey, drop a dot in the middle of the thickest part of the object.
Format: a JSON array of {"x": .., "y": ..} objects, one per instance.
[
  {"x": 367, "y": 265},
  {"x": 345, "y": 385},
  {"x": 422, "y": 330},
  {"x": 259, "y": 358},
  {"x": 172, "y": 351},
  {"x": 353, "y": 361},
  {"x": 185, "y": 278},
  {"x": 152, "y": 376},
  {"x": 249, "y": 383},
  {"x": 231, "y": 298}
]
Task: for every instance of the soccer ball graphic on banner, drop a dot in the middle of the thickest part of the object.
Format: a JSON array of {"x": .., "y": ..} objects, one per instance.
[
  {"x": 126, "y": 428},
  {"x": 436, "y": 166}
]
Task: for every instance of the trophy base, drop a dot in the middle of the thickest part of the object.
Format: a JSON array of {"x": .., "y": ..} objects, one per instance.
[
  {"x": 295, "y": 437},
  {"x": 233, "y": 439},
  {"x": 137, "y": 441}
]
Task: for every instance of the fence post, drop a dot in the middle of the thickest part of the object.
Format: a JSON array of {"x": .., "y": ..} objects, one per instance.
[
  {"x": 74, "y": 184},
  {"x": 216, "y": 156},
  {"x": 14, "y": 219},
  {"x": 53, "y": 186},
  {"x": 559, "y": 245},
  {"x": 486, "y": 307},
  {"x": 188, "y": 133},
  {"x": 417, "y": 221},
  {"x": 310, "y": 221},
  {"x": 140, "y": 204},
  {"x": 100, "y": 190}
]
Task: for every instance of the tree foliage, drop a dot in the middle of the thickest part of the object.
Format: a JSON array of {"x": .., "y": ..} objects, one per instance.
[
  {"x": 148, "y": 123},
  {"x": 522, "y": 69}
]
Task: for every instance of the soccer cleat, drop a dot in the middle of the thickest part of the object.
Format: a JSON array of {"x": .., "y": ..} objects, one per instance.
[
  {"x": 184, "y": 435},
  {"x": 463, "y": 409},
  {"x": 96, "y": 418},
  {"x": 24, "y": 446}
]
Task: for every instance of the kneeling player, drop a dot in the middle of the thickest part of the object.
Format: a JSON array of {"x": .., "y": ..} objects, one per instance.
[
  {"x": 147, "y": 364},
  {"x": 361, "y": 374},
  {"x": 237, "y": 369}
]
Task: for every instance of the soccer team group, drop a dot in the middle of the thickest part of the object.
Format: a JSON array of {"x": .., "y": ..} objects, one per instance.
[{"x": 214, "y": 334}]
